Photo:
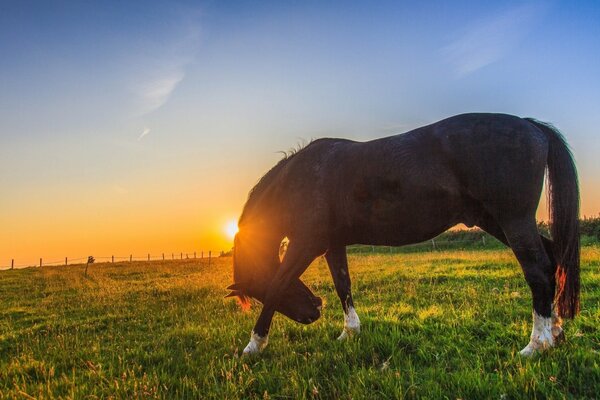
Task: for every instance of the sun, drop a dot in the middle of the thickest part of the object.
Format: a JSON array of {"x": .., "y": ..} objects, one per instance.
[{"x": 231, "y": 228}]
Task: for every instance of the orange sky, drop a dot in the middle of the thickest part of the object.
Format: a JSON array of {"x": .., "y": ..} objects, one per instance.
[{"x": 170, "y": 215}]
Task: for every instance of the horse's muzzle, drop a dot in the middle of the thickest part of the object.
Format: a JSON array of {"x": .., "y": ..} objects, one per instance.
[{"x": 300, "y": 304}]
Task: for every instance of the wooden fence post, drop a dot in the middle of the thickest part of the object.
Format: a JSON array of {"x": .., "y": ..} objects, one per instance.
[
  {"x": 181, "y": 256},
  {"x": 40, "y": 263},
  {"x": 66, "y": 262},
  {"x": 173, "y": 256},
  {"x": 112, "y": 259},
  {"x": 12, "y": 264},
  {"x": 483, "y": 240},
  {"x": 163, "y": 256},
  {"x": 148, "y": 256},
  {"x": 130, "y": 257},
  {"x": 209, "y": 254},
  {"x": 194, "y": 255},
  {"x": 202, "y": 255}
]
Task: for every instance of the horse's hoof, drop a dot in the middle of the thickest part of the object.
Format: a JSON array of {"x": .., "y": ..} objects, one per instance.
[
  {"x": 250, "y": 349},
  {"x": 256, "y": 344},
  {"x": 343, "y": 336},
  {"x": 536, "y": 346},
  {"x": 528, "y": 351},
  {"x": 542, "y": 335},
  {"x": 351, "y": 324},
  {"x": 349, "y": 332}
]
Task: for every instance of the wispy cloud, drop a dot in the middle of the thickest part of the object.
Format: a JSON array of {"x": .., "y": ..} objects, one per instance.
[
  {"x": 490, "y": 39},
  {"x": 155, "y": 92},
  {"x": 144, "y": 133},
  {"x": 162, "y": 66}
]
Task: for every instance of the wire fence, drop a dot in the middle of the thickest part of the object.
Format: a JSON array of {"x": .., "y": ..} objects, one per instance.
[
  {"x": 194, "y": 255},
  {"x": 475, "y": 241},
  {"x": 479, "y": 242}
]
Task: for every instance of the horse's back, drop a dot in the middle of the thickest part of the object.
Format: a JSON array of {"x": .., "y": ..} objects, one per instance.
[
  {"x": 495, "y": 158},
  {"x": 446, "y": 172}
]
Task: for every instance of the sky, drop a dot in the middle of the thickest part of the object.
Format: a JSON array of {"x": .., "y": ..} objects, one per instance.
[{"x": 139, "y": 127}]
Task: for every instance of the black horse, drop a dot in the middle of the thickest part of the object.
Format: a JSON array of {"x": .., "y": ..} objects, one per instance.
[{"x": 478, "y": 169}]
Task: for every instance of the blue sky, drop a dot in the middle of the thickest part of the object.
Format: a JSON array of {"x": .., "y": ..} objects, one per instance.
[{"x": 154, "y": 112}]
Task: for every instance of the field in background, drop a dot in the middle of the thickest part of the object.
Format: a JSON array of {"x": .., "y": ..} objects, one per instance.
[{"x": 436, "y": 324}]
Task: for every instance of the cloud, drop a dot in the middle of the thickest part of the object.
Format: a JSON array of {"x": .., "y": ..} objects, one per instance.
[
  {"x": 144, "y": 133},
  {"x": 162, "y": 65},
  {"x": 155, "y": 92},
  {"x": 490, "y": 39}
]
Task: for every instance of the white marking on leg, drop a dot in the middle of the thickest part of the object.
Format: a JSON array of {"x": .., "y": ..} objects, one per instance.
[
  {"x": 351, "y": 324},
  {"x": 541, "y": 335},
  {"x": 257, "y": 344}
]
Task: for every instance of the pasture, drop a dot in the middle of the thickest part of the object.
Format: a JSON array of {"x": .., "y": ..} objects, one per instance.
[{"x": 444, "y": 324}]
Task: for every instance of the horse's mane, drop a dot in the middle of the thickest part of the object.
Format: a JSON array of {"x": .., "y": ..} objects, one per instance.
[{"x": 267, "y": 179}]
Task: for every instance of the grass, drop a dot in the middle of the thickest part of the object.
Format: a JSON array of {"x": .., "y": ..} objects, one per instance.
[{"x": 434, "y": 325}]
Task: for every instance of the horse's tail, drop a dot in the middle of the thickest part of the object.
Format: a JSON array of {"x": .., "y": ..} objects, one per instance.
[{"x": 563, "y": 205}]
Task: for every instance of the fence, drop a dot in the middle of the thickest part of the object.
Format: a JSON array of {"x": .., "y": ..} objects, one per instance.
[
  {"x": 201, "y": 255},
  {"x": 474, "y": 242}
]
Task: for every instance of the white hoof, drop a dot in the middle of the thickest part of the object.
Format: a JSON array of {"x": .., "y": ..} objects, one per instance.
[
  {"x": 542, "y": 337},
  {"x": 527, "y": 351},
  {"x": 351, "y": 324},
  {"x": 256, "y": 344}
]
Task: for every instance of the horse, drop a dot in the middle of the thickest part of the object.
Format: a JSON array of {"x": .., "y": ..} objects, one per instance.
[{"x": 479, "y": 169}]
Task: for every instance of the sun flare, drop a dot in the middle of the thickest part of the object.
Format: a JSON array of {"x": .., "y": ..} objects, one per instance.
[{"x": 231, "y": 229}]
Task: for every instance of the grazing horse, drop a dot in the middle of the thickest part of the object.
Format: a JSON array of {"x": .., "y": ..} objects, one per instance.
[{"x": 484, "y": 170}]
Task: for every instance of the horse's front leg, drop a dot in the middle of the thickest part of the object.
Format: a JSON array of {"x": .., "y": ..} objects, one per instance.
[
  {"x": 338, "y": 266},
  {"x": 296, "y": 260}
]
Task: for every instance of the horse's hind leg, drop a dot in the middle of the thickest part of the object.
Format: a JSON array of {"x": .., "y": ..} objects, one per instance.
[
  {"x": 338, "y": 266},
  {"x": 489, "y": 225},
  {"x": 557, "y": 331},
  {"x": 526, "y": 243}
]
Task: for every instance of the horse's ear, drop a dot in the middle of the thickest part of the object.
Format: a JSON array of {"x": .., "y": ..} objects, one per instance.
[
  {"x": 233, "y": 294},
  {"x": 235, "y": 286}
]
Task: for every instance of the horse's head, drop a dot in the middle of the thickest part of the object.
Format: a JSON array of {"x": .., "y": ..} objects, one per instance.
[{"x": 255, "y": 263}]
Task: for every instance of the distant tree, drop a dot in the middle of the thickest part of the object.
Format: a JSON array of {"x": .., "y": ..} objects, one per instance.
[
  {"x": 226, "y": 253},
  {"x": 590, "y": 227}
]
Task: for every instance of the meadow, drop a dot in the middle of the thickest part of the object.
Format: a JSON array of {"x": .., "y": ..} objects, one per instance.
[{"x": 439, "y": 324}]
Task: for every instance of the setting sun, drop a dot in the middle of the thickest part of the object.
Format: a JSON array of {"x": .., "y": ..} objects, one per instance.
[{"x": 231, "y": 229}]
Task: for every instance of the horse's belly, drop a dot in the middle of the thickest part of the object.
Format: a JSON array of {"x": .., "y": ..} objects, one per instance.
[{"x": 400, "y": 223}]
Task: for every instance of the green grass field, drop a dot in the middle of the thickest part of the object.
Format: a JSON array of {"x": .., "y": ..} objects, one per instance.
[{"x": 434, "y": 325}]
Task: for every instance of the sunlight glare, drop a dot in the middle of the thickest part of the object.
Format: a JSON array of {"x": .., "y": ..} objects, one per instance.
[{"x": 231, "y": 229}]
